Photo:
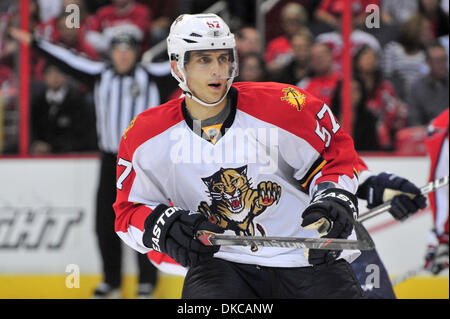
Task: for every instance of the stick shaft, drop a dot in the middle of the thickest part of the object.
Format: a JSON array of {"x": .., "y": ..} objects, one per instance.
[
  {"x": 409, "y": 274},
  {"x": 428, "y": 188},
  {"x": 287, "y": 242},
  {"x": 364, "y": 241}
]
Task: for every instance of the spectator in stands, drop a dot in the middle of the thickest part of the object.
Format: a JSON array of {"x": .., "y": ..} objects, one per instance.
[
  {"x": 61, "y": 120},
  {"x": 444, "y": 41},
  {"x": 273, "y": 27},
  {"x": 364, "y": 121},
  {"x": 393, "y": 14},
  {"x": 398, "y": 11},
  {"x": 248, "y": 40},
  {"x": 6, "y": 78},
  {"x": 299, "y": 68},
  {"x": 388, "y": 111},
  {"x": 8, "y": 103},
  {"x": 162, "y": 14},
  {"x": 9, "y": 53},
  {"x": 322, "y": 83},
  {"x": 358, "y": 38},
  {"x": 49, "y": 9},
  {"x": 438, "y": 19},
  {"x": 35, "y": 17},
  {"x": 9, "y": 49},
  {"x": 47, "y": 28},
  {"x": 278, "y": 53},
  {"x": 404, "y": 59},
  {"x": 120, "y": 16},
  {"x": 429, "y": 94},
  {"x": 57, "y": 31},
  {"x": 93, "y": 6},
  {"x": 252, "y": 68},
  {"x": 329, "y": 12}
]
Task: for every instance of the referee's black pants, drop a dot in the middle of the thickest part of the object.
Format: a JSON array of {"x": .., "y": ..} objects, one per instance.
[
  {"x": 108, "y": 241},
  {"x": 221, "y": 279}
]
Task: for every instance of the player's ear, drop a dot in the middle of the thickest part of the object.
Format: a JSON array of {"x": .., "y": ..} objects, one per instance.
[{"x": 174, "y": 66}]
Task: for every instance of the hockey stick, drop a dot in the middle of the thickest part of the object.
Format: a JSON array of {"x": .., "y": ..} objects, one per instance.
[
  {"x": 364, "y": 241},
  {"x": 407, "y": 275},
  {"x": 428, "y": 188}
]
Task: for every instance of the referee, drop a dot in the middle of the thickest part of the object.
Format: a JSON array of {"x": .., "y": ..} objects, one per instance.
[{"x": 122, "y": 88}]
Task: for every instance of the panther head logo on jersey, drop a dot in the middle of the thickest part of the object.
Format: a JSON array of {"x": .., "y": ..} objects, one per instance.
[{"x": 234, "y": 203}]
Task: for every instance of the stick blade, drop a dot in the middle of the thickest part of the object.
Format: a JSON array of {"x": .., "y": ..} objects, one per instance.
[{"x": 206, "y": 237}]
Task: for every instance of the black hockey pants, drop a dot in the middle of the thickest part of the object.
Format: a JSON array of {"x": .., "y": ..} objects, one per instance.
[{"x": 222, "y": 279}]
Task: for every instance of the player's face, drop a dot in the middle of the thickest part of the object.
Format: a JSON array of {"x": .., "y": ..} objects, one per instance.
[{"x": 207, "y": 73}]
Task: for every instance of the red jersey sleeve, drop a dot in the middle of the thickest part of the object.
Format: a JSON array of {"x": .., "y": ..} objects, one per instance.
[
  {"x": 314, "y": 144},
  {"x": 130, "y": 216},
  {"x": 137, "y": 193}
]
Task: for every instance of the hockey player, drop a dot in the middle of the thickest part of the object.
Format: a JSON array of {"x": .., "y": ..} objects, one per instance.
[
  {"x": 230, "y": 159},
  {"x": 375, "y": 188},
  {"x": 266, "y": 152},
  {"x": 436, "y": 143}
]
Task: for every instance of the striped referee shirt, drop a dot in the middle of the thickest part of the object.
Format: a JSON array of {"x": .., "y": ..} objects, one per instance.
[{"x": 118, "y": 97}]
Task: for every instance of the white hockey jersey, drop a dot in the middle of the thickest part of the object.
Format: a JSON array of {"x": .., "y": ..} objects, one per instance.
[{"x": 277, "y": 143}]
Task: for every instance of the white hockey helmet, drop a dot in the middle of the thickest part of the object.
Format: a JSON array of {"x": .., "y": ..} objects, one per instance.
[{"x": 194, "y": 32}]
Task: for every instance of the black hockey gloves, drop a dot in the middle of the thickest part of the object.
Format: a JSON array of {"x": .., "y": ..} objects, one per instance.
[
  {"x": 338, "y": 207},
  {"x": 171, "y": 230},
  {"x": 406, "y": 197}
]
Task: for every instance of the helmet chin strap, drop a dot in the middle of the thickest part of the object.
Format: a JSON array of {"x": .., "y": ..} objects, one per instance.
[{"x": 190, "y": 95}]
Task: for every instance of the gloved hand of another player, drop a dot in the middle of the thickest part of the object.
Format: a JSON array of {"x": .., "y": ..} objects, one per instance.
[
  {"x": 334, "y": 208},
  {"x": 429, "y": 256},
  {"x": 172, "y": 230},
  {"x": 405, "y": 197},
  {"x": 436, "y": 258}
]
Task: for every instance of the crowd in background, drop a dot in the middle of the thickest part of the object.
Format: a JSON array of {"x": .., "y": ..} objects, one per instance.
[{"x": 400, "y": 66}]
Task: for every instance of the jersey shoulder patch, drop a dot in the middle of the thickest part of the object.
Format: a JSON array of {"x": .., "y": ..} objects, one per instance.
[
  {"x": 152, "y": 122},
  {"x": 280, "y": 104},
  {"x": 124, "y": 135},
  {"x": 273, "y": 97},
  {"x": 294, "y": 97}
]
